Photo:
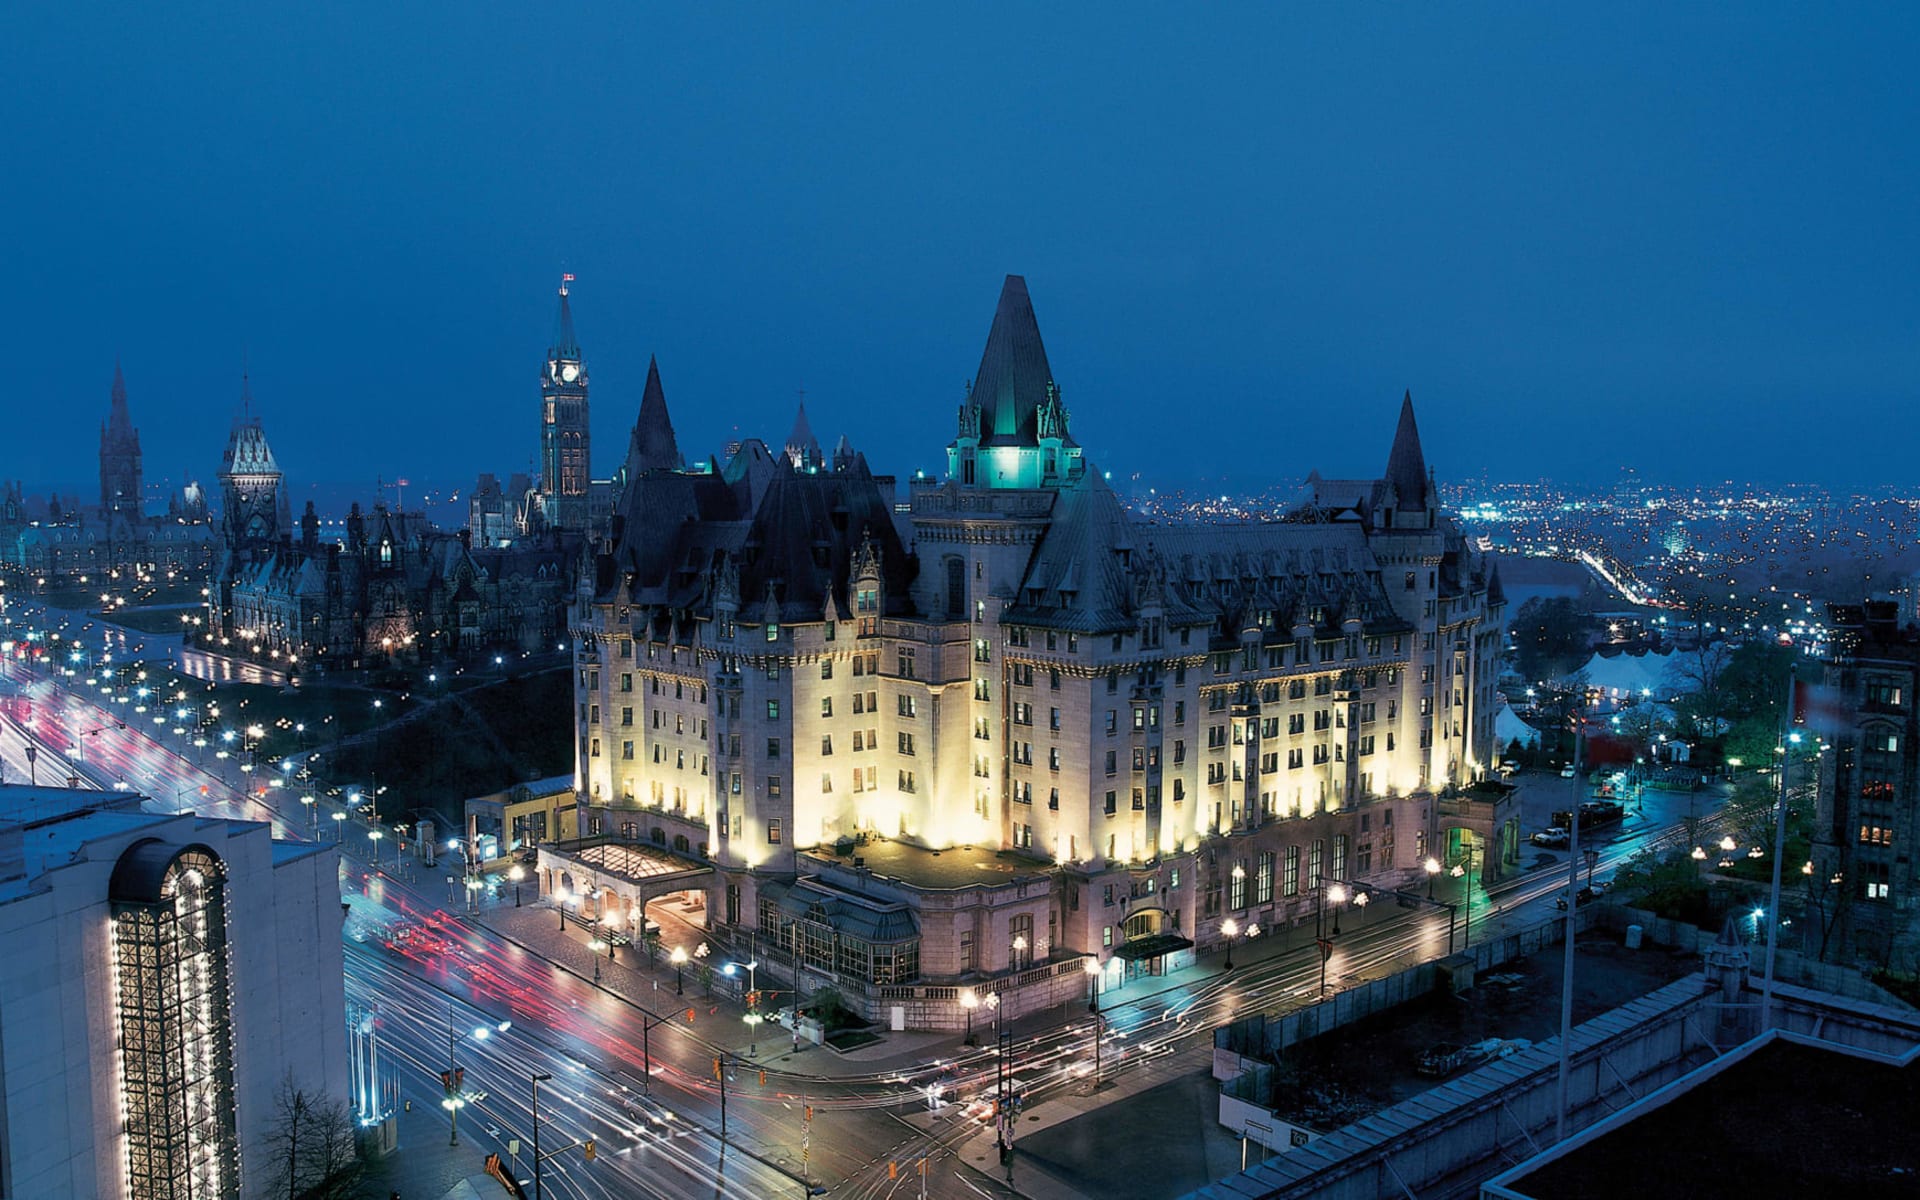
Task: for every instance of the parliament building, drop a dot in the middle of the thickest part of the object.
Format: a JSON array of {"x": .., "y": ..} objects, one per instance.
[{"x": 967, "y": 739}]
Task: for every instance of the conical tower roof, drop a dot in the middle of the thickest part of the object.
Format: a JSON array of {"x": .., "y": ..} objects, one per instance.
[
  {"x": 803, "y": 449},
  {"x": 119, "y": 421},
  {"x": 565, "y": 346},
  {"x": 1014, "y": 377},
  {"x": 1406, "y": 464},
  {"x": 652, "y": 447}
]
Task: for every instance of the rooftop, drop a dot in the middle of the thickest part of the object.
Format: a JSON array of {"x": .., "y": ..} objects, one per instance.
[
  {"x": 934, "y": 870},
  {"x": 1851, "y": 1120}
]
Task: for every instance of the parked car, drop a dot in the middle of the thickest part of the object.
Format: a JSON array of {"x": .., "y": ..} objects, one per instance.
[
  {"x": 1567, "y": 771},
  {"x": 1552, "y": 837}
]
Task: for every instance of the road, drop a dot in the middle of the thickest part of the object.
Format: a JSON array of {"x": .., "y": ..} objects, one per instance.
[{"x": 642, "y": 1084}]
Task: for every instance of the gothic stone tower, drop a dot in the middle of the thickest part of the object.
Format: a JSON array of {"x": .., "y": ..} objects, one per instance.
[
  {"x": 253, "y": 508},
  {"x": 120, "y": 481},
  {"x": 564, "y": 440}
]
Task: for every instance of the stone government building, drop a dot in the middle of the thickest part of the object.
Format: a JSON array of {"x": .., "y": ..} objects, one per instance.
[
  {"x": 1013, "y": 726},
  {"x": 44, "y": 538},
  {"x": 397, "y": 590}
]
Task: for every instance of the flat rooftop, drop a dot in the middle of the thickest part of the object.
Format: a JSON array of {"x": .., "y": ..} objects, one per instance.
[
  {"x": 935, "y": 870},
  {"x": 1787, "y": 1120}
]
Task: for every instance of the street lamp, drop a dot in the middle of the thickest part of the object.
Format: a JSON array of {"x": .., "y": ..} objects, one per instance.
[
  {"x": 679, "y": 960},
  {"x": 1229, "y": 928},
  {"x": 516, "y": 873},
  {"x": 374, "y": 836},
  {"x": 339, "y": 826},
  {"x": 313, "y": 812},
  {"x": 1092, "y": 967},
  {"x": 455, "y": 1075},
  {"x": 1432, "y": 868},
  {"x": 969, "y": 1001},
  {"x": 1466, "y": 897},
  {"x": 560, "y": 903},
  {"x": 1360, "y": 900},
  {"x": 1337, "y": 894},
  {"x": 1019, "y": 949},
  {"x": 1593, "y": 860}
]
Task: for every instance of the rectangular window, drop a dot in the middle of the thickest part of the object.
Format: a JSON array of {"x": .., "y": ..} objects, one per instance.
[
  {"x": 1237, "y": 887},
  {"x": 1339, "y": 856},
  {"x": 773, "y": 710},
  {"x": 773, "y": 823},
  {"x": 773, "y": 747},
  {"x": 906, "y": 743},
  {"x": 1263, "y": 878}
]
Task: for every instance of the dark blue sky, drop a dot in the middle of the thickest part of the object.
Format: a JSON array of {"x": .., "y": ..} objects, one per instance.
[{"x": 1679, "y": 237}]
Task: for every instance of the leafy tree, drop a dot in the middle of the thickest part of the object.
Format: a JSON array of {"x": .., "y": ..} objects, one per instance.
[
  {"x": 1667, "y": 883},
  {"x": 1551, "y": 636}
]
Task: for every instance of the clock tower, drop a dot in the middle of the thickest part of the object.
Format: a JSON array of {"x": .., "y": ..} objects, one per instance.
[{"x": 565, "y": 466}]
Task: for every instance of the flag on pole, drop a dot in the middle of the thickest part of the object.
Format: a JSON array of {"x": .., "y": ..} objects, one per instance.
[{"x": 567, "y": 277}]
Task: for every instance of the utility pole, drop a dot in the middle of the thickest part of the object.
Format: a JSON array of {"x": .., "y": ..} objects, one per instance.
[
  {"x": 1566, "y": 978},
  {"x": 537, "y": 1081}
]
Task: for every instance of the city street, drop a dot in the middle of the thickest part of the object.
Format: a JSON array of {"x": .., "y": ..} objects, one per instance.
[{"x": 634, "y": 1074}]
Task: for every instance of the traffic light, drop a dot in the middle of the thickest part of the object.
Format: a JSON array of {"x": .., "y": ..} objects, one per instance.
[
  {"x": 689, "y": 1016},
  {"x": 716, "y": 1068},
  {"x": 446, "y": 1081},
  {"x": 809, "y": 1112},
  {"x": 763, "y": 1077},
  {"x": 591, "y": 1149},
  {"x": 893, "y": 1169}
]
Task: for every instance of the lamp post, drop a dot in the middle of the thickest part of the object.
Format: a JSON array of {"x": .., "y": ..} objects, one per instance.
[
  {"x": 969, "y": 1001},
  {"x": 1593, "y": 860},
  {"x": 313, "y": 810},
  {"x": 455, "y": 1074},
  {"x": 1466, "y": 897},
  {"x": 1432, "y": 868},
  {"x": 374, "y": 836},
  {"x": 1092, "y": 967},
  {"x": 560, "y": 904},
  {"x": 537, "y": 1081},
  {"x": 1360, "y": 900},
  {"x": 679, "y": 960},
  {"x": 516, "y": 873},
  {"x": 1019, "y": 951},
  {"x": 339, "y": 826},
  {"x": 1229, "y": 928},
  {"x": 1337, "y": 893}
]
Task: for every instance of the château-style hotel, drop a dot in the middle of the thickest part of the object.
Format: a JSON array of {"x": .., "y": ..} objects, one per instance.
[{"x": 969, "y": 741}]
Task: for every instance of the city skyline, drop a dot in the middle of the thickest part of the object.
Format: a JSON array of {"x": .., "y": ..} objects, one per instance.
[{"x": 1554, "y": 232}]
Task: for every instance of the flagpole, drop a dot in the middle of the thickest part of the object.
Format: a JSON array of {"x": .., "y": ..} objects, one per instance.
[{"x": 1779, "y": 843}]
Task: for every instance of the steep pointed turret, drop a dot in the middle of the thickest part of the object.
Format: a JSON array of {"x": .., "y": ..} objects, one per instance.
[
  {"x": 1014, "y": 379},
  {"x": 652, "y": 446},
  {"x": 803, "y": 449},
  {"x": 565, "y": 347},
  {"x": 121, "y": 481},
  {"x": 1496, "y": 594},
  {"x": 1013, "y": 423},
  {"x": 119, "y": 421},
  {"x": 1406, "y": 464}
]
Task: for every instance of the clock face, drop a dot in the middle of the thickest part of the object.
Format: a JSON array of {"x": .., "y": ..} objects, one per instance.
[{"x": 570, "y": 372}]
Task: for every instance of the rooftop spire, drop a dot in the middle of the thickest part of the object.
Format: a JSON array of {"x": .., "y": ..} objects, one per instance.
[
  {"x": 564, "y": 347},
  {"x": 1014, "y": 378},
  {"x": 119, "y": 420},
  {"x": 1406, "y": 465},
  {"x": 652, "y": 446},
  {"x": 803, "y": 449}
]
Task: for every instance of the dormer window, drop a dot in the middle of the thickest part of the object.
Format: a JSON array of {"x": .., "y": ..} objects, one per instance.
[{"x": 386, "y": 553}]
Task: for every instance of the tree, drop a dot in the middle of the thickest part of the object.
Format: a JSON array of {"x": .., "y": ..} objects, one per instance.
[
  {"x": 1551, "y": 636},
  {"x": 310, "y": 1146}
]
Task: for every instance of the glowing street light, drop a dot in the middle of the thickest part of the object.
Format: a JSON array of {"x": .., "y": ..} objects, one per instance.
[
  {"x": 1432, "y": 868},
  {"x": 1092, "y": 967}
]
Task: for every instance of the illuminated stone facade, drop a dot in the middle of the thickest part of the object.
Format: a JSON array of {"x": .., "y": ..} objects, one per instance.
[
  {"x": 168, "y": 972},
  {"x": 777, "y": 666}
]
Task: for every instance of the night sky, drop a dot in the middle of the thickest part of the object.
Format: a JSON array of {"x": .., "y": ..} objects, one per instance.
[{"x": 1677, "y": 237}]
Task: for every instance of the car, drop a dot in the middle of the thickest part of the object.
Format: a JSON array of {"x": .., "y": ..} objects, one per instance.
[
  {"x": 1567, "y": 772},
  {"x": 1554, "y": 837}
]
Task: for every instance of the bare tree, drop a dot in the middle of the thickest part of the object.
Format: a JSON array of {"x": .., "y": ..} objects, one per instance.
[{"x": 311, "y": 1146}]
